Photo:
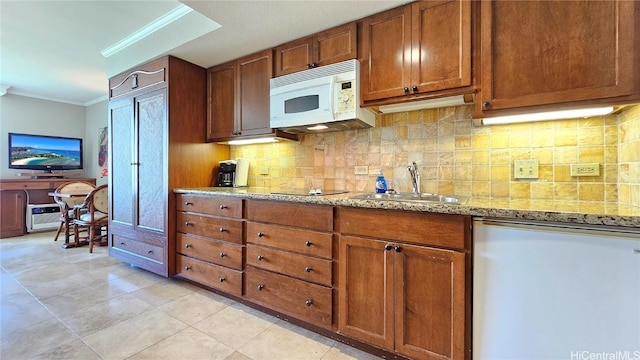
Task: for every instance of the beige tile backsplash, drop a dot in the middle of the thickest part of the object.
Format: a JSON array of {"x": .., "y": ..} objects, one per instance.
[{"x": 454, "y": 157}]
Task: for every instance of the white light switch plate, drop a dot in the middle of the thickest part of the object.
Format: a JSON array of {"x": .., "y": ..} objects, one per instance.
[
  {"x": 525, "y": 169},
  {"x": 361, "y": 170},
  {"x": 585, "y": 169}
]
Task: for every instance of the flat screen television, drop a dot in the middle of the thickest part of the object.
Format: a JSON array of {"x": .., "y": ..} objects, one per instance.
[{"x": 47, "y": 153}]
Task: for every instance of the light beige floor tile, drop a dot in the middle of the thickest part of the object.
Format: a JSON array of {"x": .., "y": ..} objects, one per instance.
[
  {"x": 161, "y": 293},
  {"x": 30, "y": 341},
  {"x": 68, "y": 303},
  {"x": 285, "y": 341},
  {"x": 133, "y": 282},
  {"x": 187, "y": 344},
  {"x": 131, "y": 336},
  {"x": 62, "y": 285},
  {"x": 16, "y": 316},
  {"x": 11, "y": 292},
  {"x": 95, "y": 262},
  {"x": 235, "y": 325},
  {"x": 340, "y": 351},
  {"x": 104, "y": 314},
  {"x": 74, "y": 350},
  {"x": 195, "y": 307},
  {"x": 238, "y": 356}
]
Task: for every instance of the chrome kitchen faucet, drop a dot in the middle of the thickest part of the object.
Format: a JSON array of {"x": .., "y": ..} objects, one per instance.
[{"x": 415, "y": 177}]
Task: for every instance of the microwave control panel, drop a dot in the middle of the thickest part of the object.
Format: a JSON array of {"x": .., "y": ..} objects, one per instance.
[{"x": 346, "y": 96}]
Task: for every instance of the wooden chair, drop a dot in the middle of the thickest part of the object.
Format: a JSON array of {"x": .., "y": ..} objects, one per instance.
[
  {"x": 96, "y": 218},
  {"x": 68, "y": 205}
]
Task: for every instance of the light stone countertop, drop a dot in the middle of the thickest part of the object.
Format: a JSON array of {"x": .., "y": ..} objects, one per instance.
[{"x": 577, "y": 213}]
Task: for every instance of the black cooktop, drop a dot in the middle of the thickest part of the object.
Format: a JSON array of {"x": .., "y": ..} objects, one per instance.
[{"x": 312, "y": 192}]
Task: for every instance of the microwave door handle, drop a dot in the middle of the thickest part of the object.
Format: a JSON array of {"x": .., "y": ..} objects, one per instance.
[{"x": 331, "y": 97}]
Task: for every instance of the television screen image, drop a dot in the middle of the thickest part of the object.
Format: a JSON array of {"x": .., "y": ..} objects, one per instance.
[{"x": 40, "y": 152}]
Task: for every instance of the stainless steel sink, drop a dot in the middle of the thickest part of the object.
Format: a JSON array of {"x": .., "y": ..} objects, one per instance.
[{"x": 423, "y": 197}]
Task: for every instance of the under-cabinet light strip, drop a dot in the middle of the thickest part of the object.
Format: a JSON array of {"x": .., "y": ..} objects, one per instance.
[{"x": 548, "y": 115}]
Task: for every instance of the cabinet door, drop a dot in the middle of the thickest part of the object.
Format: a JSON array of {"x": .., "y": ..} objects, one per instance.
[
  {"x": 151, "y": 113},
  {"x": 335, "y": 45},
  {"x": 387, "y": 54},
  {"x": 366, "y": 291},
  {"x": 221, "y": 101},
  {"x": 254, "y": 72},
  {"x": 430, "y": 303},
  {"x": 121, "y": 162},
  {"x": 12, "y": 213},
  {"x": 294, "y": 56},
  {"x": 561, "y": 51},
  {"x": 441, "y": 45}
]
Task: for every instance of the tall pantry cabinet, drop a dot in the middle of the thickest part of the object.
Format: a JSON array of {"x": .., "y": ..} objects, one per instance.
[{"x": 157, "y": 129}]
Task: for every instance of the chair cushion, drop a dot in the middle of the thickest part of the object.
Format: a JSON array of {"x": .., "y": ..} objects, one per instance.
[{"x": 96, "y": 216}]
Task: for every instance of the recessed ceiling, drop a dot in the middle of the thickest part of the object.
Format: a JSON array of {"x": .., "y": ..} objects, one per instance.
[{"x": 51, "y": 49}]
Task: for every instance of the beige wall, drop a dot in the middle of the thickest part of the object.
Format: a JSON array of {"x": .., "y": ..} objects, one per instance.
[
  {"x": 457, "y": 158},
  {"x": 22, "y": 114}
]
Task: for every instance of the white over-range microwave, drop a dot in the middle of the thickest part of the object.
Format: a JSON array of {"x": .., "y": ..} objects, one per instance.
[{"x": 325, "y": 98}]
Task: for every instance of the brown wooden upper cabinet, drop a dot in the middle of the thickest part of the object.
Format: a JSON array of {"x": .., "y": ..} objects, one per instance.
[
  {"x": 416, "y": 49},
  {"x": 327, "y": 47},
  {"x": 238, "y": 98},
  {"x": 550, "y": 52}
]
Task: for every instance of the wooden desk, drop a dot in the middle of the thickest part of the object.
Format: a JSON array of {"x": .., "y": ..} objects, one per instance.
[{"x": 13, "y": 201}]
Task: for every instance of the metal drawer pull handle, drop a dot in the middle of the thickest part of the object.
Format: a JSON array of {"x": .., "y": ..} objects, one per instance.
[
  {"x": 187, "y": 246},
  {"x": 188, "y": 203},
  {"x": 188, "y": 267},
  {"x": 150, "y": 252},
  {"x": 398, "y": 249},
  {"x": 223, "y": 254},
  {"x": 222, "y": 279},
  {"x": 308, "y": 302},
  {"x": 260, "y": 234},
  {"x": 222, "y": 207},
  {"x": 186, "y": 223},
  {"x": 260, "y": 287},
  {"x": 222, "y": 229},
  {"x": 308, "y": 269},
  {"x": 636, "y": 251},
  {"x": 260, "y": 257},
  {"x": 122, "y": 244},
  {"x": 388, "y": 247},
  {"x": 308, "y": 243}
]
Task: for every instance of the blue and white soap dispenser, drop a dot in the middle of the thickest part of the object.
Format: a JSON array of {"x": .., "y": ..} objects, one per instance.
[{"x": 381, "y": 183}]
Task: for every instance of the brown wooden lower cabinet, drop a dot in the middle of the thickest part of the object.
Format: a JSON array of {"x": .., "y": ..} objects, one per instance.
[
  {"x": 12, "y": 222},
  {"x": 403, "y": 290},
  {"x": 403, "y": 297},
  {"x": 407, "y": 297}
]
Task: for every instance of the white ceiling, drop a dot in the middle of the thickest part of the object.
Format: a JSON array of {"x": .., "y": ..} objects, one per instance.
[{"x": 51, "y": 49}]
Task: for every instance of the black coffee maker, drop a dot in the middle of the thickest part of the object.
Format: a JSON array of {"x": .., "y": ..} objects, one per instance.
[{"x": 226, "y": 173}]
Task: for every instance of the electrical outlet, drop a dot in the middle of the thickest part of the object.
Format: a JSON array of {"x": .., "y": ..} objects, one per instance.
[
  {"x": 525, "y": 169},
  {"x": 361, "y": 170},
  {"x": 585, "y": 169},
  {"x": 264, "y": 171}
]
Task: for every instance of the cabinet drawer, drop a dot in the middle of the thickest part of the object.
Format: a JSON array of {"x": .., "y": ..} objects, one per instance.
[
  {"x": 298, "y": 240},
  {"x": 315, "y": 217},
  {"x": 147, "y": 75},
  {"x": 211, "y": 205},
  {"x": 213, "y": 227},
  {"x": 295, "y": 265},
  {"x": 139, "y": 248},
  {"x": 27, "y": 186},
  {"x": 219, "y": 252},
  {"x": 211, "y": 275},
  {"x": 300, "y": 299},
  {"x": 442, "y": 230}
]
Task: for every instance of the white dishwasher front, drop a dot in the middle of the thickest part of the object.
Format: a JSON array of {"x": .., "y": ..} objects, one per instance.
[{"x": 554, "y": 292}]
